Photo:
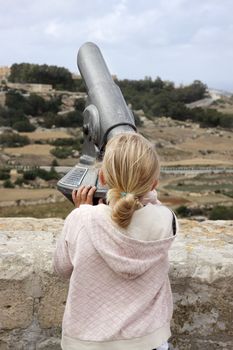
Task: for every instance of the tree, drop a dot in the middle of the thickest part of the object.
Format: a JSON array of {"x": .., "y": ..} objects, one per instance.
[
  {"x": 36, "y": 105},
  {"x": 80, "y": 104},
  {"x": 16, "y": 100},
  {"x": 72, "y": 119},
  {"x": 59, "y": 77},
  {"x": 23, "y": 126}
]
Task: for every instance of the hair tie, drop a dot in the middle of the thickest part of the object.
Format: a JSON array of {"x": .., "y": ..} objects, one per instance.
[{"x": 123, "y": 194}]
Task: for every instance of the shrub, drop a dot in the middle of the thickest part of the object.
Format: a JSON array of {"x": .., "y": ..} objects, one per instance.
[
  {"x": 30, "y": 174},
  {"x": 36, "y": 105},
  {"x": 53, "y": 105},
  {"x": 15, "y": 100},
  {"x": 9, "y": 116},
  {"x": 47, "y": 175},
  {"x": 8, "y": 184},
  {"x": 41, "y": 173},
  {"x": 4, "y": 174},
  {"x": 79, "y": 85},
  {"x": 75, "y": 143},
  {"x": 72, "y": 119},
  {"x": 80, "y": 105},
  {"x": 63, "y": 142},
  {"x": 226, "y": 121},
  {"x": 183, "y": 211},
  {"x": 48, "y": 119},
  {"x": 54, "y": 162},
  {"x": 221, "y": 213},
  {"x": 23, "y": 126},
  {"x": 61, "y": 152},
  {"x": 53, "y": 174},
  {"x": 19, "y": 181},
  {"x": 9, "y": 139}
]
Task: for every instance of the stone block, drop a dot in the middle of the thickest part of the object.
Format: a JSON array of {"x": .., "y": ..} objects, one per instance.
[{"x": 49, "y": 344}]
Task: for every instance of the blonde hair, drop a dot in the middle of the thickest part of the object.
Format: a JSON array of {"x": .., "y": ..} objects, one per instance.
[{"x": 130, "y": 167}]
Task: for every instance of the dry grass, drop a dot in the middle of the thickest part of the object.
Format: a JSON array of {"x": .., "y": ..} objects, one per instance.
[
  {"x": 57, "y": 210},
  {"x": 41, "y": 150},
  {"x": 173, "y": 201},
  {"x": 45, "y": 135},
  {"x": 13, "y": 194},
  {"x": 198, "y": 190},
  {"x": 228, "y": 109},
  {"x": 198, "y": 161},
  {"x": 191, "y": 145},
  {"x": 225, "y": 105},
  {"x": 208, "y": 142}
]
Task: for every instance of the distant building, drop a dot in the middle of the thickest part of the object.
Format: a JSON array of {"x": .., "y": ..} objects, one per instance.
[{"x": 4, "y": 73}]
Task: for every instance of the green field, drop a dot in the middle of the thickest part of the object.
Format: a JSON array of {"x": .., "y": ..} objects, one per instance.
[{"x": 214, "y": 183}]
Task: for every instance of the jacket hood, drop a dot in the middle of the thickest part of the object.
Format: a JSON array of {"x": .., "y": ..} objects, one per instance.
[{"x": 127, "y": 256}]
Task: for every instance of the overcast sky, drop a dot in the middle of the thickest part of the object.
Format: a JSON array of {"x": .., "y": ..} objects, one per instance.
[{"x": 178, "y": 40}]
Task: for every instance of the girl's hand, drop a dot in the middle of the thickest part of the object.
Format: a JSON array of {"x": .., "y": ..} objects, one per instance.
[{"x": 84, "y": 195}]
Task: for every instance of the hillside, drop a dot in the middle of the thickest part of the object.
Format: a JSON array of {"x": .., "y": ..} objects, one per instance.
[{"x": 42, "y": 126}]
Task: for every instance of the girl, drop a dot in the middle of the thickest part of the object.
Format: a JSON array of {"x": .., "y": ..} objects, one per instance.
[{"x": 116, "y": 256}]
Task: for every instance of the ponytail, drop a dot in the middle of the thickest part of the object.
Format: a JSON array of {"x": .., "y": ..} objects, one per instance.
[
  {"x": 123, "y": 206},
  {"x": 130, "y": 167}
]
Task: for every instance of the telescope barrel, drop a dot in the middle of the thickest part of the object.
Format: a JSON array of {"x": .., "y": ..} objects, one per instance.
[
  {"x": 106, "y": 114},
  {"x": 114, "y": 114},
  {"x": 92, "y": 66}
]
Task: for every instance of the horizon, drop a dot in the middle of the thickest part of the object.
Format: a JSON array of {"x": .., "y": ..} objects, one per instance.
[{"x": 143, "y": 78}]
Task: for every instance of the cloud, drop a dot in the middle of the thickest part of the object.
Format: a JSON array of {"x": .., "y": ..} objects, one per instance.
[{"x": 174, "y": 39}]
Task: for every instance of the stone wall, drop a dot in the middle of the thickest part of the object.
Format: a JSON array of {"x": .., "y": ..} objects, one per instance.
[
  {"x": 4, "y": 72},
  {"x": 2, "y": 99},
  {"x": 32, "y": 88},
  {"x": 32, "y": 298}
]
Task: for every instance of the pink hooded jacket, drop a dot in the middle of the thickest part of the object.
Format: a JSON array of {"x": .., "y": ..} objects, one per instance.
[{"x": 119, "y": 294}]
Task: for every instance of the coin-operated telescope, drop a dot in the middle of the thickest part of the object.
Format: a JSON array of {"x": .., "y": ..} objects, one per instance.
[{"x": 106, "y": 114}]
